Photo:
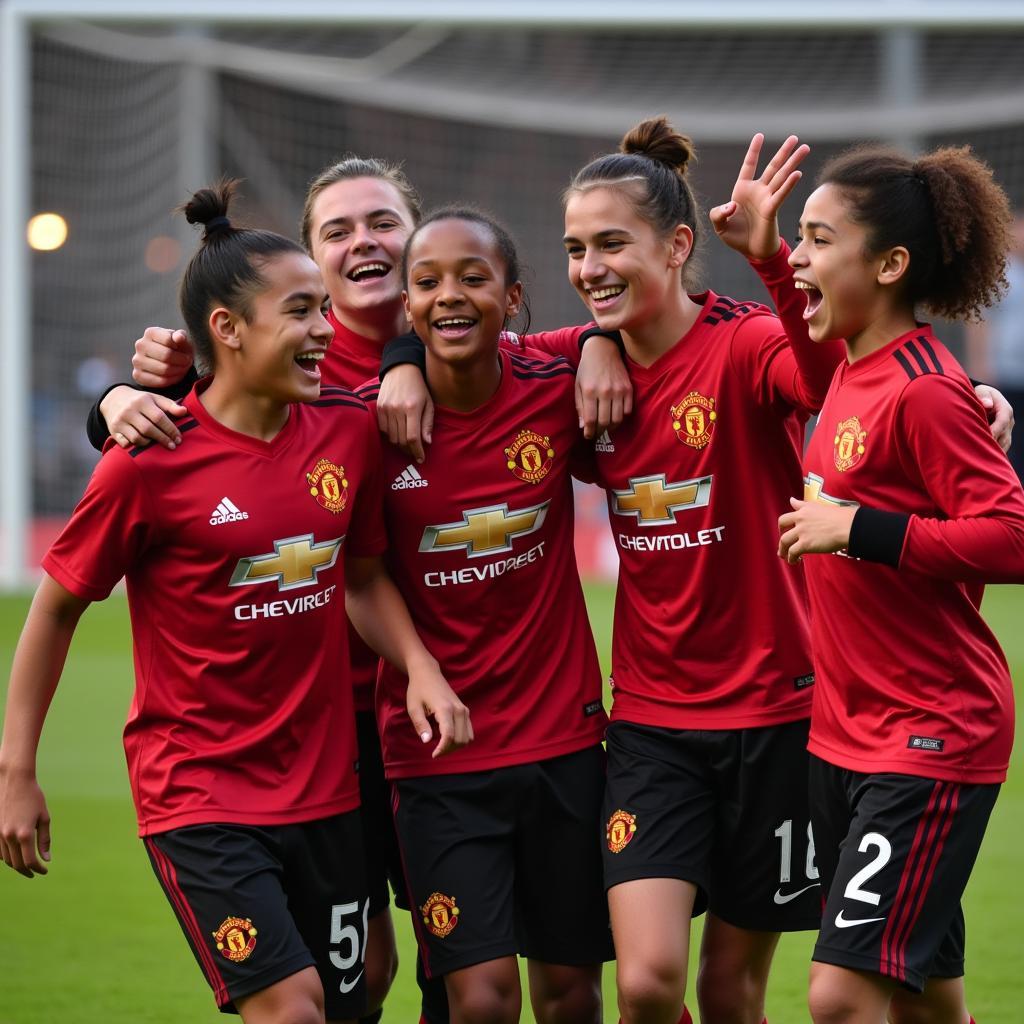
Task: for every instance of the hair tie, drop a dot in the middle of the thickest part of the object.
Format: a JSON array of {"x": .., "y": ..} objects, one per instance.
[{"x": 217, "y": 222}]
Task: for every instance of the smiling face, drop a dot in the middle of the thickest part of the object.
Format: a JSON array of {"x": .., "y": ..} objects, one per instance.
[
  {"x": 457, "y": 296},
  {"x": 358, "y": 228},
  {"x": 832, "y": 266},
  {"x": 276, "y": 350},
  {"x": 625, "y": 271}
]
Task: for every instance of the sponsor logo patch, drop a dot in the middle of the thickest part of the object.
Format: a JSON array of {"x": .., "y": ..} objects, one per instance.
[
  {"x": 693, "y": 420},
  {"x": 226, "y": 512},
  {"x": 604, "y": 444},
  {"x": 848, "y": 444},
  {"x": 440, "y": 914},
  {"x": 236, "y": 938},
  {"x": 294, "y": 562},
  {"x": 529, "y": 456},
  {"x": 926, "y": 743},
  {"x": 408, "y": 478},
  {"x": 620, "y": 830},
  {"x": 802, "y": 682},
  {"x": 328, "y": 485},
  {"x": 592, "y": 708}
]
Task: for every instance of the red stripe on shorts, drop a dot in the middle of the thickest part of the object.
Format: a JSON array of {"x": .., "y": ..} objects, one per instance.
[
  {"x": 169, "y": 877},
  {"x": 918, "y": 871}
]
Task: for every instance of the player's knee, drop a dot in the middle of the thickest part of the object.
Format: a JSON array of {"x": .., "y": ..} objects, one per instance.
[
  {"x": 829, "y": 1002},
  {"x": 486, "y": 1004},
  {"x": 651, "y": 991},
  {"x": 728, "y": 994},
  {"x": 575, "y": 1000}
]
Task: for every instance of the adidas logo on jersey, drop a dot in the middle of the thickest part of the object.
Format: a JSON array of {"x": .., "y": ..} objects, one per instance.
[
  {"x": 226, "y": 512},
  {"x": 409, "y": 477},
  {"x": 604, "y": 443}
]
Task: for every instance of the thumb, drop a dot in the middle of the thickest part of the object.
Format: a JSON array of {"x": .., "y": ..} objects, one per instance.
[
  {"x": 720, "y": 214},
  {"x": 44, "y": 838},
  {"x": 417, "y": 712},
  {"x": 179, "y": 339},
  {"x": 169, "y": 405},
  {"x": 796, "y": 503}
]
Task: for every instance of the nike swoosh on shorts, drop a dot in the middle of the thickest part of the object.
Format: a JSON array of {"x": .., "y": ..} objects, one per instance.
[
  {"x": 781, "y": 898},
  {"x": 345, "y": 986},
  {"x": 843, "y": 922}
]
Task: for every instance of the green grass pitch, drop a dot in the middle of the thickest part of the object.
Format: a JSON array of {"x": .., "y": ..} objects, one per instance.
[{"x": 95, "y": 943}]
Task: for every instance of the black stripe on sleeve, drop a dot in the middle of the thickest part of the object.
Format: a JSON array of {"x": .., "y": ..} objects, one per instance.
[
  {"x": 184, "y": 426},
  {"x": 918, "y": 358},
  {"x": 877, "y": 536},
  {"x": 554, "y": 371},
  {"x": 905, "y": 363},
  {"x": 355, "y": 402},
  {"x": 931, "y": 354}
]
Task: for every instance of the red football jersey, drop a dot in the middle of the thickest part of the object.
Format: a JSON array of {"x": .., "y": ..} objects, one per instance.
[
  {"x": 710, "y": 627},
  {"x": 910, "y": 679},
  {"x": 482, "y": 550},
  {"x": 233, "y": 551}
]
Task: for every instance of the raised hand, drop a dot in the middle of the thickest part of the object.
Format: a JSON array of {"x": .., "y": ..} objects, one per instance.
[{"x": 748, "y": 223}]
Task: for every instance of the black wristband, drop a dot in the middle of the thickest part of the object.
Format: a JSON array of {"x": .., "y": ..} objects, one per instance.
[
  {"x": 878, "y": 536},
  {"x": 406, "y": 348},
  {"x": 595, "y": 331}
]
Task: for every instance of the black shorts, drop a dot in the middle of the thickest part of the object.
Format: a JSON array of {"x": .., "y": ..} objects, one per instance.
[
  {"x": 723, "y": 809},
  {"x": 895, "y": 853},
  {"x": 258, "y": 904},
  {"x": 383, "y": 861},
  {"x": 507, "y": 862}
]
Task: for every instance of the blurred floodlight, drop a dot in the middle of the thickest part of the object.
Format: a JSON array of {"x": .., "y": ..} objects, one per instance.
[
  {"x": 47, "y": 231},
  {"x": 162, "y": 254}
]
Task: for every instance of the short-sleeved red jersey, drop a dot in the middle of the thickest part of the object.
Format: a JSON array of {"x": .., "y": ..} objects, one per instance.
[
  {"x": 910, "y": 678},
  {"x": 233, "y": 551},
  {"x": 482, "y": 549}
]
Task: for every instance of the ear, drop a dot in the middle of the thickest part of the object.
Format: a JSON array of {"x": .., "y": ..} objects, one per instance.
[
  {"x": 681, "y": 245},
  {"x": 224, "y": 328},
  {"x": 893, "y": 265},
  {"x": 514, "y": 299},
  {"x": 408, "y": 311}
]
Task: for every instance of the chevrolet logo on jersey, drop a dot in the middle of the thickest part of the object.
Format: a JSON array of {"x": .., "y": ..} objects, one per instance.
[
  {"x": 295, "y": 562},
  {"x": 655, "y": 502},
  {"x": 813, "y": 492},
  {"x": 485, "y": 531}
]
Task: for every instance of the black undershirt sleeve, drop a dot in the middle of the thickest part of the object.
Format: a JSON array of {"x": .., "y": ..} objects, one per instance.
[
  {"x": 878, "y": 536},
  {"x": 96, "y": 426}
]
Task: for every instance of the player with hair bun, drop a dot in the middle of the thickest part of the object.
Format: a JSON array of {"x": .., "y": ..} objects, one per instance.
[
  {"x": 916, "y": 508},
  {"x": 238, "y": 552}
]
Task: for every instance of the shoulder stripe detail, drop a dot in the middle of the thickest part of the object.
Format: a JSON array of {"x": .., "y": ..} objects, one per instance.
[
  {"x": 335, "y": 391},
  {"x": 902, "y": 360},
  {"x": 554, "y": 371},
  {"x": 355, "y": 402},
  {"x": 926, "y": 345},
  {"x": 368, "y": 392},
  {"x": 920, "y": 366},
  {"x": 530, "y": 362},
  {"x": 184, "y": 426},
  {"x": 725, "y": 309}
]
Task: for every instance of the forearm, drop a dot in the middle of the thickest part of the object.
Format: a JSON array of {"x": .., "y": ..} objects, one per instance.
[
  {"x": 379, "y": 614},
  {"x": 38, "y": 662},
  {"x": 815, "y": 363}
]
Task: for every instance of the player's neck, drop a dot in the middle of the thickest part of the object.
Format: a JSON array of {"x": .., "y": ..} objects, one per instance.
[
  {"x": 257, "y": 416},
  {"x": 878, "y": 332},
  {"x": 648, "y": 342},
  {"x": 379, "y": 324},
  {"x": 466, "y": 387}
]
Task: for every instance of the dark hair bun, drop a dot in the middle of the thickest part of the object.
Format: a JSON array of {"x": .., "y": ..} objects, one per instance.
[
  {"x": 656, "y": 139},
  {"x": 209, "y": 206}
]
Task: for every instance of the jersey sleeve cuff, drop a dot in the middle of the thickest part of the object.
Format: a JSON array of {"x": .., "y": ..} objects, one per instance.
[
  {"x": 878, "y": 536},
  {"x": 406, "y": 348},
  {"x": 775, "y": 267},
  {"x": 597, "y": 332}
]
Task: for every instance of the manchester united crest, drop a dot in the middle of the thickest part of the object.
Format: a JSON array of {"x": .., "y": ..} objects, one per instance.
[
  {"x": 236, "y": 938},
  {"x": 620, "y": 830},
  {"x": 440, "y": 914},
  {"x": 693, "y": 420},
  {"x": 530, "y": 456},
  {"x": 848, "y": 444},
  {"x": 328, "y": 485}
]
